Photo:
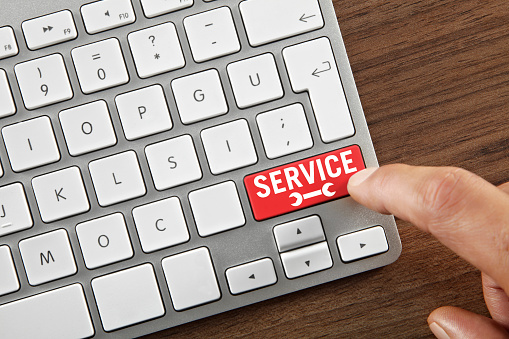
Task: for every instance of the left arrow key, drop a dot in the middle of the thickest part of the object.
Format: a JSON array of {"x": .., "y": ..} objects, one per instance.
[{"x": 56, "y": 28}]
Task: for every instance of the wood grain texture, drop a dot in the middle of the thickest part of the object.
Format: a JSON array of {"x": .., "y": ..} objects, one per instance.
[{"x": 433, "y": 77}]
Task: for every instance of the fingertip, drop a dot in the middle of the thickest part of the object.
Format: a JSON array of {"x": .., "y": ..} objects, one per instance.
[
  {"x": 458, "y": 323},
  {"x": 358, "y": 178}
]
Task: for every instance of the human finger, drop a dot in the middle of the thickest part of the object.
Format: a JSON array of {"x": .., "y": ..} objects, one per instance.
[
  {"x": 455, "y": 323},
  {"x": 504, "y": 187},
  {"x": 496, "y": 300},
  {"x": 463, "y": 211}
]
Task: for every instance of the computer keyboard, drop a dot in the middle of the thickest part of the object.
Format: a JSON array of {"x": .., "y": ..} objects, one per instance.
[{"x": 168, "y": 160}]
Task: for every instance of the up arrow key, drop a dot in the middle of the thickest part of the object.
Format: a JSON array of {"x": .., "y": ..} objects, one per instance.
[{"x": 252, "y": 276}]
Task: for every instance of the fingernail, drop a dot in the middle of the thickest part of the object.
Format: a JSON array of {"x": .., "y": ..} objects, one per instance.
[
  {"x": 438, "y": 331},
  {"x": 359, "y": 177}
]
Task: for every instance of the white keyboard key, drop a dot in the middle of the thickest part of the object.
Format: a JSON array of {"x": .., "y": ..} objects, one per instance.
[
  {"x": 43, "y": 81},
  {"x": 8, "y": 45},
  {"x": 284, "y": 131},
  {"x": 156, "y": 50},
  {"x": 173, "y": 162},
  {"x": 128, "y": 297},
  {"x": 14, "y": 212},
  {"x": 269, "y": 20},
  {"x": 7, "y": 106},
  {"x": 306, "y": 260},
  {"x": 362, "y": 244},
  {"x": 229, "y": 146},
  {"x": 251, "y": 276},
  {"x": 87, "y": 128},
  {"x": 191, "y": 279},
  {"x": 47, "y": 257},
  {"x": 153, "y": 8},
  {"x": 30, "y": 144},
  {"x": 212, "y": 34},
  {"x": 117, "y": 178},
  {"x": 161, "y": 224},
  {"x": 8, "y": 279},
  {"x": 311, "y": 67},
  {"x": 107, "y": 14},
  {"x": 60, "y": 313},
  {"x": 143, "y": 112},
  {"x": 255, "y": 80},
  {"x": 298, "y": 233},
  {"x": 104, "y": 241},
  {"x": 60, "y": 194},
  {"x": 199, "y": 96},
  {"x": 100, "y": 65},
  {"x": 49, "y": 30},
  {"x": 217, "y": 208}
]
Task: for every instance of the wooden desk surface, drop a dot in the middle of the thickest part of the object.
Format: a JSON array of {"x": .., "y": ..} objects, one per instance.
[{"x": 433, "y": 77}]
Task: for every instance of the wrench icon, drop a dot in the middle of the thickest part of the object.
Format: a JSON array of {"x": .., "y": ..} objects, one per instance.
[{"x": 299, "y": 198}]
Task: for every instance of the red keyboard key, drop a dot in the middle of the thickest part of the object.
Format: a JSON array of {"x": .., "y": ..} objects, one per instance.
[{"x": 303, "y": 183}]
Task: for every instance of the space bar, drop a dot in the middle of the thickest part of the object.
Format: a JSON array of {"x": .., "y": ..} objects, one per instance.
[{"x": 60, "y": 313}]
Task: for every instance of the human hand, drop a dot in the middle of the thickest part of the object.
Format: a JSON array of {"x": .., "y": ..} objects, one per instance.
[{"x": 465, "y": 213}]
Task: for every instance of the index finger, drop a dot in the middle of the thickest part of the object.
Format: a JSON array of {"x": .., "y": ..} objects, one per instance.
[{"x": 463, "y": 211}]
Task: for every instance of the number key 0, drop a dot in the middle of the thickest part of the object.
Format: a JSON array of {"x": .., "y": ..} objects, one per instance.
[{"x": 100, "y": 65}]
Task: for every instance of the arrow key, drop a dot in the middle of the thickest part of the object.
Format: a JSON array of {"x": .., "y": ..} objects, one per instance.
[
  {"x": 251, "y": 276},
  {"x": 306, "y": 260},
  {"x": 362, "y": 244},
  {"x": 49, "y": 30},
  {"x": 298, "y": 233}
]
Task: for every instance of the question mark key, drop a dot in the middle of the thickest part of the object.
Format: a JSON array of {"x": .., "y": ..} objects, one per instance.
[{"x": 145, "y": 50}]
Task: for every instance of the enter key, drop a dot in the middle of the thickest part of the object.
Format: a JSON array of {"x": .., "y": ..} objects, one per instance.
[{"x": 312, "y": 68}]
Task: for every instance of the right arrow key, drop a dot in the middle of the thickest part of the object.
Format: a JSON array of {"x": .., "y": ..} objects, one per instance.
[{"x": 362, "y": 244}]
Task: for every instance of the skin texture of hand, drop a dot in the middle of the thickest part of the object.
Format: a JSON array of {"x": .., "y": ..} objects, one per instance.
[{"x": 465, "y": 213}]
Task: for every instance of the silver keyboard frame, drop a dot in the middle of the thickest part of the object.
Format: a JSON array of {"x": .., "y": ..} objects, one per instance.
[{"x": 253, "y": 241}]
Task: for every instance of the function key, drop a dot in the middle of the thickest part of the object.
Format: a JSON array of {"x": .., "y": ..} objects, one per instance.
[
  {"x": 49, "y": 30},
  {"x": 8, "y": 45},
  {"x": 103, "y": 15},
  {"x": 153, "y": 8}
]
